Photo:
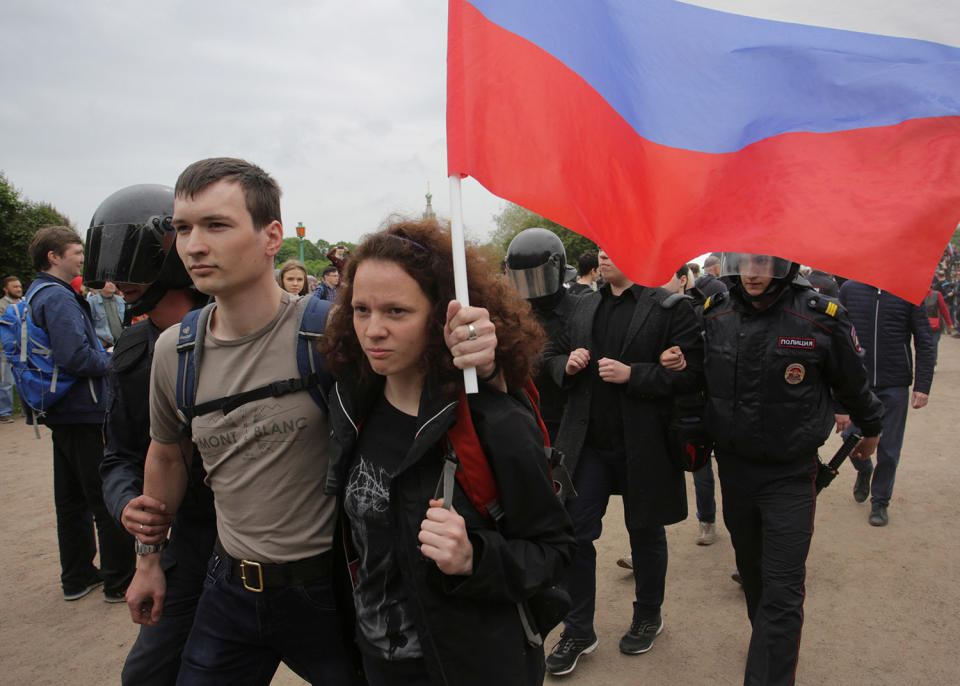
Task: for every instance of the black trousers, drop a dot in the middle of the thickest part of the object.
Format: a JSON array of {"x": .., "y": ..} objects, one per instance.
[
  {"x": 78, "y": 496},
  {"x": 599, "y": 474},
  {"x": 768, "y": 510}
]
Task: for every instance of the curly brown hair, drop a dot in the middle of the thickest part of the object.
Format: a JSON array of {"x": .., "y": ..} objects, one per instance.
[{"x": 422, "y": 249}]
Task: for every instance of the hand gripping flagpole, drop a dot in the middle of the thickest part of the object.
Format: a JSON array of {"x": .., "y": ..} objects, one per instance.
[{"x": 460, "y": 266}]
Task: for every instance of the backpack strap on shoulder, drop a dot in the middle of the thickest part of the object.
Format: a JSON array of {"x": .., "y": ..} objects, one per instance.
[
  {"x": 193, "y": 328},
  {"x": 312, "y": 313}
]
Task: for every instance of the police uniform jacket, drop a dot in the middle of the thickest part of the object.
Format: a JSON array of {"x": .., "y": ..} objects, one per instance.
[
  {"x": 770, "y": 373},
  {"x": 127, "y": 437},
  {"x": 655, "y": 488},
  {"x": 553, "y": 397}
]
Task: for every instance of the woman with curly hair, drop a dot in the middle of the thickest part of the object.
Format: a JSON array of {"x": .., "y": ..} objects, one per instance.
[
  {"x": 437, "y": 590},
  {"x": 293, "y": 277}
]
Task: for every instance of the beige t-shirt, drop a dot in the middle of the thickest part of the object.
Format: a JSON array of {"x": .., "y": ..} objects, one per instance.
[{"x": 266, "y": 461}]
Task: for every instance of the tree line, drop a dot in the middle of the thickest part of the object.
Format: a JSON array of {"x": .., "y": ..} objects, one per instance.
[{"x": 20, "y": 218}]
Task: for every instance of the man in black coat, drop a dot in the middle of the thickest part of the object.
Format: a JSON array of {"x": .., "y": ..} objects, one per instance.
[{"x": 613, "y": 434}]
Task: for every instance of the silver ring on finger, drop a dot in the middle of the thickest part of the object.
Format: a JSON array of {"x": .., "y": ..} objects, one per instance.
[
  {"x": 141, "y": 526},
  {"x": 473, "y": 332}
]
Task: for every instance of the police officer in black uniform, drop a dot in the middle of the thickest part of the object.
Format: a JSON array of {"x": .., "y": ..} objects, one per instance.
[
  {"x": 535, "y": 264},
  {"x": 775, "y": 350},
  {"x": 131, "y": 242}
]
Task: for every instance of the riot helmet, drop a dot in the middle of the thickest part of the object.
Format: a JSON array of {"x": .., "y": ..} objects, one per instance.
[
  {"x": 735, "y": 266},
  {"x": 536, "y": 265},
  {"x": 131, "y": 239}
]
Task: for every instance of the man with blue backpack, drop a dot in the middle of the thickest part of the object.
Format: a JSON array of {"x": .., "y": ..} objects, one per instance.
[
  {"x": 230, "y": 380},
  {"x": 59, "y": 375}
]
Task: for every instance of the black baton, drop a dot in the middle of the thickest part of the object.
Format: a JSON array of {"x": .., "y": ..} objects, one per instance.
[{"x": 827, "y": 472}]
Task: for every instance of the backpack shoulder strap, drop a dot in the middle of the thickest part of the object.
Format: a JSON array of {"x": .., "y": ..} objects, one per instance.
[
  {"x": 312, "y": 315},
  {"x": 189, "y": 348},
  {"x": 466, "y": 458}
]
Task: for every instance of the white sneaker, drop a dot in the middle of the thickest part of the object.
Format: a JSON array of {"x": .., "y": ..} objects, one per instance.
[{"x": 707, "y": 534}]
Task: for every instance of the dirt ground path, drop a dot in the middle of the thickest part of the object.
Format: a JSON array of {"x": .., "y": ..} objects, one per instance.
[{"x": 881, "y": 606}]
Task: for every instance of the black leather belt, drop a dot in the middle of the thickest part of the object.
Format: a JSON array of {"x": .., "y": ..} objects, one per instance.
[{"x": 257, "y": 576}]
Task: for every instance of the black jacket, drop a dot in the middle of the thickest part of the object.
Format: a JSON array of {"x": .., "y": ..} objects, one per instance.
[
  {"x": 655, "y": 488},
  {"x": 469, "y": 627},
  {"x": 709, "y": 285},
  {"x": 127, "y": 437},
  {"x": 885, "y": 324},
  {"x": 770, "y": 373},
  {"x": 553, "y": 397}
]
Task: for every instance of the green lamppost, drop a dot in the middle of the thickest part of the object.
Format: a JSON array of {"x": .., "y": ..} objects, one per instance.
[{"x": 301, "y": 232}]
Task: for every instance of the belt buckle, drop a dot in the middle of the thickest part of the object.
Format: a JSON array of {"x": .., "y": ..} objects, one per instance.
[{"x": 244, "y": 564}]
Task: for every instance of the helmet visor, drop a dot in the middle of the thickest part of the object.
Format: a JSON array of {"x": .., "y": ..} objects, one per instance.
[
  {"x": 536, "y": 282},
  {"x": 748, "y": 264},
  {"x": 125, "y": 253}
]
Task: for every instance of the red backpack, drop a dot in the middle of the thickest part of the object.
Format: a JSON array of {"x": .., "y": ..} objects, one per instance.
[{"x": 464, "y": 458}]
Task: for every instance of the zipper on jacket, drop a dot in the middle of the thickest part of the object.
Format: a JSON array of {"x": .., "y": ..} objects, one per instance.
[
  {"x": 447, "y": 407},
  {"x": 876, "y": 327},
  {"x": 346, "y": 414}
]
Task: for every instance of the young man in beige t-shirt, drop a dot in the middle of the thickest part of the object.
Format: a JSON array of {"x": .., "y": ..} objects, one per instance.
[{"x": 268, "y": 595}]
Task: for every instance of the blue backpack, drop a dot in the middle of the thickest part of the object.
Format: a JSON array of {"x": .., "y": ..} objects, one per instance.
[
  {"x": 26, "y": 346},
  {"x": 311, "y": 319}
]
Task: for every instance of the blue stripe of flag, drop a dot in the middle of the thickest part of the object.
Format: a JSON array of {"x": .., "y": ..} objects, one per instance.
[{"x": 699, "y": 79}]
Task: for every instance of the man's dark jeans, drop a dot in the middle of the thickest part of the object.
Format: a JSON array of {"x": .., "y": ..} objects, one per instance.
[
  {"x": 239, "y": 637},
  {"x": 77, "y": 493},
  {"x": 600, "y": 473},
  {"x": 896, "y": 401},
  {"x": 154, "y": 659},
  {"x": 703, "y": 484}
]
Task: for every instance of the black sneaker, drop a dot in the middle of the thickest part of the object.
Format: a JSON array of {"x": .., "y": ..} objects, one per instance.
[
  {"x": 563, "y": 658},
  {"x": 78, "y": 594},
  {"x": 114, "y": 596},
  {"x": 639, "y": 639},
  {"x": 861, "y": 489},
  {"x": 878, "y": 515}
]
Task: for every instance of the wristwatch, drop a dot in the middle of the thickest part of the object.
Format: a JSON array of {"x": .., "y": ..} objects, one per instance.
[{"x": 148, "y": 548}]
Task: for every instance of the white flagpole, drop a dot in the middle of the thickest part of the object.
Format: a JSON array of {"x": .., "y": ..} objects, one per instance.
[{"x": 460, "y": 266}]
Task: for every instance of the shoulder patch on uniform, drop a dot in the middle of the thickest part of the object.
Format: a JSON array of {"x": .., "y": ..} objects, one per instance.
[
  {"x": 856, "y": 341},
  {"x": 823, "y": 304},
  {"x": 714, "y": 300}
]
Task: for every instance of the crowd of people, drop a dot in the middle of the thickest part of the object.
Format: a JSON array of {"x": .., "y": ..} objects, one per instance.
[{"x": 276, "y": 470}]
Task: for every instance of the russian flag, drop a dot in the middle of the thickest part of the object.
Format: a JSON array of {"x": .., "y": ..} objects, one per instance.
[{"x": 663, "y": 130}]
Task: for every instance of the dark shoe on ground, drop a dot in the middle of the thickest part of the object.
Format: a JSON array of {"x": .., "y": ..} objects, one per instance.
[
  {"x": 563, "y": 658},
  {"x": 6, "y": 419},
  {"x": 861, "y": 489},
  {"x": 114, "y": 597},
  {"x": 626, "y": 561},
  {"x": 878, "y": 515},
  {"x": 78, "y": 594},
  {"x": 639, "y": 639},
  {"x": 736, "y": 577}
]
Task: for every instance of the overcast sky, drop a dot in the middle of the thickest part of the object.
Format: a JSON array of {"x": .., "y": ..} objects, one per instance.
[{"x": 342, "y": 102}]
